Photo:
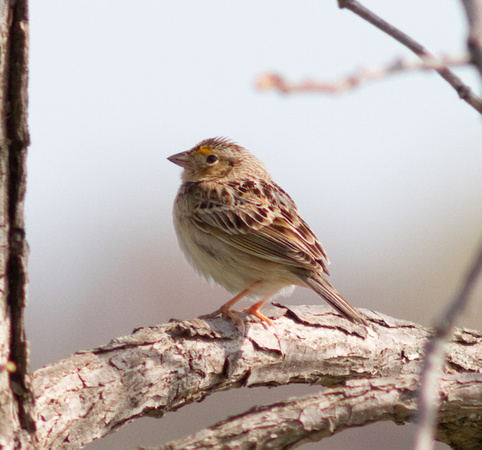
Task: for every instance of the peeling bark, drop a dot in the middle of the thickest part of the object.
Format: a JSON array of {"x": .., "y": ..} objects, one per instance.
[
  {"x": 361, "y": 402},
  {"x": 368, "y": 375},
  {"x": 160, "y": 369}
]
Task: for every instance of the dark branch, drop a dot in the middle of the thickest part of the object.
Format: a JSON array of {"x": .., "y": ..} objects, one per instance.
[
  {"x": 464, "y": 91},
  {"x": 473, "y": 10}
]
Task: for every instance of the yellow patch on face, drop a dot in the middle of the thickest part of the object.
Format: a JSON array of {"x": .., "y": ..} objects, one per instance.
[{"x": 204, "y": 150}]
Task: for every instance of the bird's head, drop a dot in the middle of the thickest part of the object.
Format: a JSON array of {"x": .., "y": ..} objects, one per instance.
[{"x": 219, "y": 159}]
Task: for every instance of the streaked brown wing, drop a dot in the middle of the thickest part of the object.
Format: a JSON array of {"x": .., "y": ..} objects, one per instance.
[{"x": 261, "y": 220}]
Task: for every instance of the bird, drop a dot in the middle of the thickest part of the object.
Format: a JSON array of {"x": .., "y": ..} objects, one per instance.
[{"x": 241, "y": 230}]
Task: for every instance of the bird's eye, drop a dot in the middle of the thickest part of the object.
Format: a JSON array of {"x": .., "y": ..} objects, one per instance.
[{"x": 211, "y": 159}]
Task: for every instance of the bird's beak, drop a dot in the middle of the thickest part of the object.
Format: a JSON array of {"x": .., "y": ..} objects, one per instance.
[{"x": 181, "y": 159}]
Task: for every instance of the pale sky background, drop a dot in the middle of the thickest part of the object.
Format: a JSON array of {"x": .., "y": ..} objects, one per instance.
[{"x": 388, "y": 175}]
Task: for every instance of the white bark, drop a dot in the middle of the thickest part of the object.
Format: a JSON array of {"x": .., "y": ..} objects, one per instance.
[{"x": 156, "y": 370}]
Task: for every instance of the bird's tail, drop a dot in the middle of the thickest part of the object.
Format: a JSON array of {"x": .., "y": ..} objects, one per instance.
[{"x": 323, "y": 288}]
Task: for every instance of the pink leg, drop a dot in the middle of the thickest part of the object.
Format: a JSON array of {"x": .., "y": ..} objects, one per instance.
[{"x": 254, "y": 310}]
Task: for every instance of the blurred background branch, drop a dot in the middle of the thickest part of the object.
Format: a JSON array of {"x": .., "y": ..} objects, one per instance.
[
  {"x": 473, "y": 10},
  {"x": 273, "y": 81},
  {"x": 464, "y": 91},
  {"x": 435, "y": 352},
  {"x": 427, "y": 60}
]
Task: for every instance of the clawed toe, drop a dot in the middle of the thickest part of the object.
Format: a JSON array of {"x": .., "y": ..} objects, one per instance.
[
  {"x": 260, "y": 316},
  {"x": 254, "y": 311},
  {"x": 216, "y": 313},
  {"x": 225, "y": 312}
]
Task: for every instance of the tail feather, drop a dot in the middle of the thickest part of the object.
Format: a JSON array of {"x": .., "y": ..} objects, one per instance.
[{"x": 323, "y": 288}]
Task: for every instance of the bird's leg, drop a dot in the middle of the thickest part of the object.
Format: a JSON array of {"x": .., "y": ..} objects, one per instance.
[
  {"x": 226, "y": 310},
  {"x": 254, "y": 310}
]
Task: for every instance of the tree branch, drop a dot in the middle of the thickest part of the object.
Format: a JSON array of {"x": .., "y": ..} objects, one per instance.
[
  {"x": 360, "y": 402},
  {"x": 464, "y": 91},
  {"x": 435, "y": 356},
  {"x": 427, "y": 62},
  {"x": 473, "y": 10},
  {"x": 274, "y": 81},
  {"x": 17, "y": 425},
  {"x": 156, "y": 370}
]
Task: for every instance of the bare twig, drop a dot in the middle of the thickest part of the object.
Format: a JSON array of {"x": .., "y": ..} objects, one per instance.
[
  {"x": 473, "y": 10},
  {"x": 364, "y": 75},
  {"x": 435, "y": 357},
  {"x": 360, "y": 402},
  {"x": 464, "y": 91}
]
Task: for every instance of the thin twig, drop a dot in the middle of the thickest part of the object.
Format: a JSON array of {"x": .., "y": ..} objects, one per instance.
[
  {"x": 364, "y": 75},
  {"x": 473, "y": 10},
  {"x": 464, "y": 91},
  {"x": 435, "y": 352}
]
